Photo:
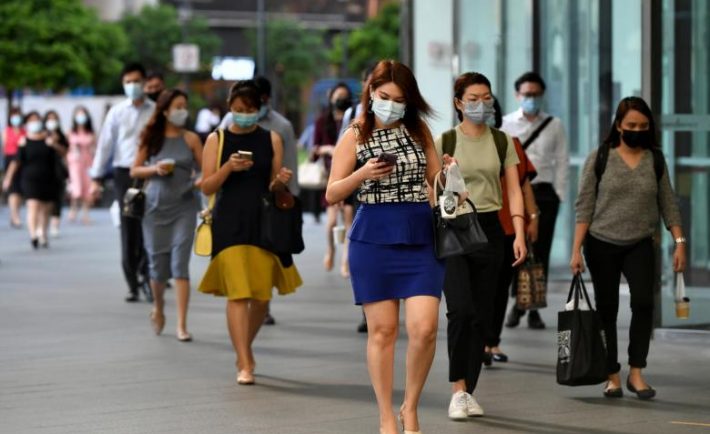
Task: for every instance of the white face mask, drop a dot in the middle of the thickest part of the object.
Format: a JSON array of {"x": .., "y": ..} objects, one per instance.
[
  {"x": 34, "y": 127},
  {"x": 388, "y": 112},
  {"x": 178, "y": 117},
  {"x": 51, "y": 124},
  {"x": 133, "y": 91},
  {"x": 81, "y": 118}
]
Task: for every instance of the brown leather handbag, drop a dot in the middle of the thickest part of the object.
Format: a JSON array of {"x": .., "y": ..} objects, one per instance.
[{"x": 532, "y": 284}]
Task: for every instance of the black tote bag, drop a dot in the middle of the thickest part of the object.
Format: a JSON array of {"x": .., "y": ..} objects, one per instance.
[
  {"x": 581, "y": 354},
  {"x": 458, "y": 236},
  {"x": 282, "y": 223}
]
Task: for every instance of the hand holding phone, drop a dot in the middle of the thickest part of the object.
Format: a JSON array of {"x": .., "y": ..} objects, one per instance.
[
  {"x": 389, "y": 159},
  {"x": 246, "y": 155}
]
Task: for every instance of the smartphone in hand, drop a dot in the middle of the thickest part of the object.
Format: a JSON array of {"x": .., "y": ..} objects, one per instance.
[
  {"x": 246, "y": 155},
  {"x": 389, "y": 159}
]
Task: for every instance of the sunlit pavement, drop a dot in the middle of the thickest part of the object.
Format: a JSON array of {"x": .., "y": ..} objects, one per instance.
[{"x": 75, "y": 358}]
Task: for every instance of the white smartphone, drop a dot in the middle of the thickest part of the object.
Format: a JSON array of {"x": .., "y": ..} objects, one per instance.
[{"x": 247, "y": 155}]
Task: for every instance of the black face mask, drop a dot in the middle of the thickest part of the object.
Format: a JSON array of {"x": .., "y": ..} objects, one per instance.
[
  {"x": 637, "y": 139},
  {"x": 153, "y": 95},
  {"x": 342, "y": 104}
]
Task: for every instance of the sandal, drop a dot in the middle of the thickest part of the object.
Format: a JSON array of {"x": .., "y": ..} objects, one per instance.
[{"x": 157, "y": 319}]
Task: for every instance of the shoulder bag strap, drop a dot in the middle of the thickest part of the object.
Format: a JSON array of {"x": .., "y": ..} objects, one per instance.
[
  {"x": 501, "y": 142},
  {"x": 536, "y": 133},
  {"x": 448, "y": 142},
  {"x": 220, "y": 133}
]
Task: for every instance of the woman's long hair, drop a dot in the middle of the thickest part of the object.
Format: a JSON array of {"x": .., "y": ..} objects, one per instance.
[
  {"x": 60, "y": 135},
  {"x": 331, "y": 126},
  {"x": 613, "y": 139},
  {"x": 153, "y": 136},
  {"x": 391, "y": 71},
  {"x": 88, "y": 126}
]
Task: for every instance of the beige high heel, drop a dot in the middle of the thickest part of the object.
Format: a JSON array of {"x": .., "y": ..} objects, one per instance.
[
  {"x": 401, "y": 421},
  {"x": 157, "y": 320}
]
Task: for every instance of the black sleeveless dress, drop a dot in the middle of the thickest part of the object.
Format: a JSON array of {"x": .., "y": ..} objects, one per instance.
[
  {"x": 37, "y": 178},
  {"x": 241, "y": 267}
]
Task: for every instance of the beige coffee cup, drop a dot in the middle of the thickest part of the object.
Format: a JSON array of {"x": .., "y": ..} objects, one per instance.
[
  {"x": 682, "y": 308},
  {"x": 168, "y": 165},
  {"x": 339, "y": 234}
]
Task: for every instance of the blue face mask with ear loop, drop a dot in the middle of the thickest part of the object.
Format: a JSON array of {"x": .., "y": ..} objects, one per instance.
[
  {"x": 531, "y": 104},
  {"x": 245, "y": 120},
  {"x": 479, "y": 112}
]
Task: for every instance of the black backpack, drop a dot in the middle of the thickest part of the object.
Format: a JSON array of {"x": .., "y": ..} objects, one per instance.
[
  {"x": 659, "y": 163},
  {"x": 448, "y": 145}
]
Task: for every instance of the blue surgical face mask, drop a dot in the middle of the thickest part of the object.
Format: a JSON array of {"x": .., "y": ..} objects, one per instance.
[
  {"x": 263, "y": 111},
  {"x": 531, "y": 104},
  {"x": 133, "y": 91},
  {"x": 16, "y": 120},
  {"x": 479, "y": 112},
  {"x": 34, "y": 127},
  {"x": 388, "y": 112},
  {"x": 245, "y": 120},
  {"x": 81, "y": 118}
]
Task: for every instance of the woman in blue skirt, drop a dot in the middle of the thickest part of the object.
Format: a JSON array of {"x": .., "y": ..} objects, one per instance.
[{"x": 388, "y": 157}]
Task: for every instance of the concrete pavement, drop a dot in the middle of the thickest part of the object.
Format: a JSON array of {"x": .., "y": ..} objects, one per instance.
[{"x": 74, "y": 358}]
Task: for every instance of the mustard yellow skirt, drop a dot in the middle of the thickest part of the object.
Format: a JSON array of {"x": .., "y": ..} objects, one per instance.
[{"x": 245, "y": 271}]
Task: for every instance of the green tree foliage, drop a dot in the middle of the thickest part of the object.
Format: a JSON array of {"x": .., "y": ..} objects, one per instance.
[
  {"x": 53, "y": 44},
  {"x": 378, "y": 39},
  {"x": 154, "y": 31},
  {"x": 294, "y": 56}
]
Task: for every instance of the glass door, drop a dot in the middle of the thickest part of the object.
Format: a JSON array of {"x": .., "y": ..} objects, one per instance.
[{"x": 685, "y": 127}]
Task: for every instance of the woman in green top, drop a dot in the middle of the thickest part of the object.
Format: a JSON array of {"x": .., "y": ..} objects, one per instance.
[
  {"x": 482, "y": 154},
  {"x": 623, "y": 191}
]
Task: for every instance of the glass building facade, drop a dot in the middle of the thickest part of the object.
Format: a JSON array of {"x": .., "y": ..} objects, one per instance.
[{"x": 591, "y": 53}]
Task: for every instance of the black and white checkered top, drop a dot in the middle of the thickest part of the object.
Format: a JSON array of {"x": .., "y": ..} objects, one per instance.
[{"x": 407, "y": 183}]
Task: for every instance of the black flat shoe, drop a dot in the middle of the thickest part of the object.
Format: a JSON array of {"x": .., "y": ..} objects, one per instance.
[
  {"x": 500, "y": 357},
  {"x": 132, "y": 297},
  {"x": 35, "y": 243},
  {"x": 487, "y": 358},
  {"x": 362, "y": 327},
  {"x": 534, "y": 320},
  {"x": 644, "y": 394},
  {"x": 613, "y": 392},
  {"x": 269, "y": 320},
  {"x": 513, "y": 318}
]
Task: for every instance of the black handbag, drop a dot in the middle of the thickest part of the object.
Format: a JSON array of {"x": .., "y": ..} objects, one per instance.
[
  {"x": 458, "y": 236},
  {"x": 531, "y": 285},
  {"x": 134, "y": 202},
  {"x": 581, "y": 343},
  {"x": 281, "y": 223}
]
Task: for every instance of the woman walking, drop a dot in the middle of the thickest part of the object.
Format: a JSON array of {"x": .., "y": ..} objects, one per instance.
[
  {"x": 482, "y": 154},
  {"x": 241, "y": 165},
  {"x": 623, "y": 192},
  {"x": 36, "y": 163},
  {"x": 82, "y": 146},
  {"x": 167, "y": 158},
  {"x": 58, "y": 141},
  {"x": 388, "y": 157},
  {"x": 327, "y": 128},
  {"x": 11, "y": 137}
]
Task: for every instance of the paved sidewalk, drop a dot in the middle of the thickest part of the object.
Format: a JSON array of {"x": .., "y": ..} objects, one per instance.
[{"x": 74, "y": 358}]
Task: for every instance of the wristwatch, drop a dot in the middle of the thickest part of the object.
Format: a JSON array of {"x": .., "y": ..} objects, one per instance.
[{"x": 680, "y": 240}]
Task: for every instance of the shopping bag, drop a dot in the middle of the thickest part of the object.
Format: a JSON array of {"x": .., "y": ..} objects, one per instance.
[
  {"x": 682, "y": 302},
  {"x": 312, "y": 175},
  {"x": 581, "y": 343},
  {"x": 531, "y": 284}
]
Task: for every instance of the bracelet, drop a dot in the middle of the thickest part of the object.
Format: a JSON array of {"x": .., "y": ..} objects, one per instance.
[
  {"x": 517, "y": 215},
  {"x": 680, "y": 240},
  {"x": 534, "y": 215}
]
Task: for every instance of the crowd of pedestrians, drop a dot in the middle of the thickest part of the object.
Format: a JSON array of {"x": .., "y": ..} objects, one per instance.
[{"x": 385, "y": 171}]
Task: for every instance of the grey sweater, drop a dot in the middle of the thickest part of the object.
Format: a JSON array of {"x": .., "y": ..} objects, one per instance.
[{"x": 629, "y": 202}]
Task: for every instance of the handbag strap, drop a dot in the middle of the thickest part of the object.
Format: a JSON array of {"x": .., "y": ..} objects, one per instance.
[
  {"x": 680, "y": 287},
  {"x": 578, "y": 289},
  {"x": 220, "y": 134},
  {"x": 437, "y": 185}
]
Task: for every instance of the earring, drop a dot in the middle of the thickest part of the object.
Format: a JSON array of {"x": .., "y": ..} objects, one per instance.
[{"x": 369, "y": 106}]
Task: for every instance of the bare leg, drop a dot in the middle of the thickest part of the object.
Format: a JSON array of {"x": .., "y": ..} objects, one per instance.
[
  {"x": 422, "y": 318},
  {"x": 636, "y": 379},
  {"x": 238, "y": 324},
  {"x": 257, "y": 312},
  {"x": 86, "y": 206},
  {"x": 383, "y": 325},
  {"x": 182, "y": 296},
  {"x": 332, "y": 216},
  {"x": 45, "y": 211},
  {"x": 157, "y": 316},
  {"x": 33, "y": 211},
  {"x": 73, "y": 210},
  {"x": 348, "y": 212},
  {"x": 14, "y": 201}
]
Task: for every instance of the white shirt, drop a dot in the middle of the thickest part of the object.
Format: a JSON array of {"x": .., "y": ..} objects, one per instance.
[
  {"x": 348, "y": 118},
  {"x": 206, "y": 121},
  {"x": 120, "y": 135},
  {"x": 548, "y": 152}
]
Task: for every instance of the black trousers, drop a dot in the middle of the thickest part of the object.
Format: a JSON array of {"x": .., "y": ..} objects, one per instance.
[
  {"x": 133, "y": 257},
  {"x": 500, "y": 299},
  {"x": 470, "y": 286},
  {"x": 606, "y": 263}
]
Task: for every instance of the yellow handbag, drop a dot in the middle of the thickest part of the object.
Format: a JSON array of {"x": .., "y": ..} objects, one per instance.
[{"x": 203, "y": 234}]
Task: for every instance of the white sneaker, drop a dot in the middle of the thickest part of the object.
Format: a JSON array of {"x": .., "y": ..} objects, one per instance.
[
  {"x": 54, "y": 232},
  {"x": 458, "y": 407},
  {"x": 472, "y": 407}
]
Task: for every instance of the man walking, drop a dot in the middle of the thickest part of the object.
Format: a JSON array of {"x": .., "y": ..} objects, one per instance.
[
  {"x": 119, "y": 138},
  {"x": 545, "y": 143}
]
